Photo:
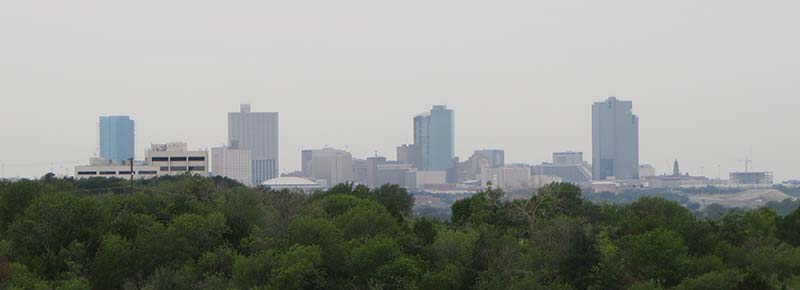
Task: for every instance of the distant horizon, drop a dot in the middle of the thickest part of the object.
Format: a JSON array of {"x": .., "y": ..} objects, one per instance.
[{"x": 390, "y": 155}]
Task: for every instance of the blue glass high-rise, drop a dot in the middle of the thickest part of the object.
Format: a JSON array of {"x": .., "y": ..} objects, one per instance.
[
  {"x": 434, "y": 136},
  {"x": 116, "y": 138}
]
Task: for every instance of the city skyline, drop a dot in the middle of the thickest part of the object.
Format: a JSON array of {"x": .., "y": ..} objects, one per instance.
[
  {"x": 666, "y": 169},
  {"x": 709, "y": 83}
]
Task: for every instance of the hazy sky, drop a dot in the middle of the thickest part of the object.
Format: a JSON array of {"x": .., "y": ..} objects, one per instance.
[{"x": 709, "y": 79}]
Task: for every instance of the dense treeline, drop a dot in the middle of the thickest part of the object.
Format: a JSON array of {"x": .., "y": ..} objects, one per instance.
[{"x": 200, "y": 233}]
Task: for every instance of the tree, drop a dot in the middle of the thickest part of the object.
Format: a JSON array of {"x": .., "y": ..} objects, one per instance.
[
  {"x": 300, "y": 268},
  {"x": 372, "y": 254},
  {"x": 395, "y": 199},
  {"x": 114, "y": 261},
  {"x": 322, "y": 233},
  {"x": 659, "y": 255},
  {"x": 365, "y": 221},
  {"x": 789, "y": 228}
]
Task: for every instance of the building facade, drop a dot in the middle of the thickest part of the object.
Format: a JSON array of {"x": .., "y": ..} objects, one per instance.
[
  {"x": 567, "y": 158},
  {"x": 497, "y": 158},
  {"x": 434, "y": 138},
  {"x": 257, "y": 132},
  {"x": 416, "y": 179},
  {"x": 101, "y": 167},
  {"x": 116, "y": 136},
  {"x": 233, "y": 163},
  {"x": 615, "y": 140},
  {"x": 332, "y": 165},
  {"x": 409, "y": 154},
  {"x": 509, "y": 178},
  {"x": 175, "y": 159}
]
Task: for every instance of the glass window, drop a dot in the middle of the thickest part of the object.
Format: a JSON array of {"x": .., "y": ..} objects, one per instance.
[
  {"x": 125, "y": 172},
  {"x": 197, "y": 168},
  {"x": 197, "y": 158},
  {"x": 147, "y": 172},
  {"x": 182, "y": 158},
  {"x": 160, "y": 159},
  {"x": 108, "y": 172},
  {"x": 87, "y": 172},
  {"x": 177, "y": 169},
  {"x": 163, "y": 168}
]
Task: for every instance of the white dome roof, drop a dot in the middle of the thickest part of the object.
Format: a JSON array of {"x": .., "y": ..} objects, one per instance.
[{"x": 289, "y": 181}]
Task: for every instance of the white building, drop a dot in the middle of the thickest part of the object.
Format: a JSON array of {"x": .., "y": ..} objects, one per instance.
[
  {"x": 542, "y": 180},
  {"x": 292, "y": 183},
  {"x": 233, "y": 163},
  {"x": 99, "y": 167},
  {"x": 175, "y": 159},
  {"x": 508, "y": 178},
  {"x": 332, "y": 165},
  {"x": 646, "y": 170}
]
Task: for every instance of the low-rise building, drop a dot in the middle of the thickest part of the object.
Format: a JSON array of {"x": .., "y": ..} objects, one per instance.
[
  {"x": 175, "y": 159},
  {"x": 416, "y": 179},
  {"x": 293, "y": 183},
  {"x": 99, "y": 167},
  {"x": 509, "y": 178}
]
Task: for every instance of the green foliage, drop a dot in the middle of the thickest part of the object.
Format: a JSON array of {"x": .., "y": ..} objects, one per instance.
[
  {"x": 659, "y": 255},
  {"x": 189, "y": 232}
]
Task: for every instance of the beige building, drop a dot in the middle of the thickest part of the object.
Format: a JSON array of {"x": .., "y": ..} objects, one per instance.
[
  {"x": 233, "y": 163},
  {"x": 332, "y": 165},
  {"x": 175, "y": 159},
  {"x": 420, "y": 179},
  {"x": 99, "y": 167},
  {"x": 509, "y": 178}
]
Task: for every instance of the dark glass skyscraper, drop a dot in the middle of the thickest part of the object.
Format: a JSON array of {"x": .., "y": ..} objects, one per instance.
[
  {"x": 434, "y": 138},
  {"x": 615, "y": 140},
  {"x": 116, "y": 138}
]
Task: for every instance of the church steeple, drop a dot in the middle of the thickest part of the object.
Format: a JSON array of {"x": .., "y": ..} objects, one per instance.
[{"x": 676, "y": 171}]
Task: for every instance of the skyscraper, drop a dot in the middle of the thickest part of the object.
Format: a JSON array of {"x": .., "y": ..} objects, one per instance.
[
  {"x": 615, "y": 140},
  {"x": 116, "y": 138},
  {"x": 257, "y": 132},
  {"x": 434, "y": 138}
]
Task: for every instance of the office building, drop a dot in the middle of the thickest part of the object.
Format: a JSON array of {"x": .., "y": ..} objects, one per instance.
[
  {"x": 101, "y": 167},
  {"x": 392, "y": 173},
  {"x": 646, "y": 170},
  {"x": 332, "y": 165},
  {"x": 470, "y": 169},
  {"x": 116, "y": 136},
  {"x": 416, "y": 179},
  {"x": 497, "y": 158},
  {"x": 615, "y": 140},
  {"x": 434, "y": 137},
  {"x": 175, "y": 159},
  {"x": 508, "y": 178},
  {"x": 567, "y": 158},
  {"x": 372, "y": 170},
  {"x": 409, "y": 154},
  {"x": 232, "y": 162},
  {"x": 568, "y": 166},
  {"x": 751, "y": 178},
  {"x": 360, "y": 171},
  {"x": 257, "y": 132}
]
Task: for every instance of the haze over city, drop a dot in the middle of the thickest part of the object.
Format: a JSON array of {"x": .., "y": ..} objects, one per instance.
[{"x": 711, "y": 82}]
